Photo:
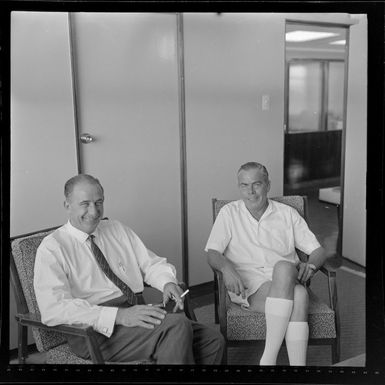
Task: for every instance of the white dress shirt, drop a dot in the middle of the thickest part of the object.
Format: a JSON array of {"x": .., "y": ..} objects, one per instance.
[
  {"x": 255, "y": 246},
  {"x": 69, "y": 284}
]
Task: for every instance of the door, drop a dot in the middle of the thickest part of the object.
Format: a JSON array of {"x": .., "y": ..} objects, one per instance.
[
  {"x": 125, "y": 67},
  {"x": 315, "y": 116}
]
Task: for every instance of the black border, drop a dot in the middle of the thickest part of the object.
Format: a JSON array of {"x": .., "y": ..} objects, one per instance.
[{"x": 374, "y": 372}]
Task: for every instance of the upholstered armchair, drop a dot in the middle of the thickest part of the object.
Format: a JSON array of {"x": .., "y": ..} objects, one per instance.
[
  {"x": 240, "y": 326},
  {"x": 49, "y": 339}
]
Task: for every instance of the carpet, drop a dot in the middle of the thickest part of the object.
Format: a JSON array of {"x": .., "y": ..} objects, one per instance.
[{"x": 351, "y": 302}]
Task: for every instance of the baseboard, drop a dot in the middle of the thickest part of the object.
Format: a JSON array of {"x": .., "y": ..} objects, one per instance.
[{"x": 354, "y": 264}]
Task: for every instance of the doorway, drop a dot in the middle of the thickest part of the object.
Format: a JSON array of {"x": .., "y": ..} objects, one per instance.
[
  {"x": 125, "y": 72},
  {"x": 315, "y": 121}
]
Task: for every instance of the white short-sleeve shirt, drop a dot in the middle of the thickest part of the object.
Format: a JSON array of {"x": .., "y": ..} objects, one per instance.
[{"x": 255, "y": 246}]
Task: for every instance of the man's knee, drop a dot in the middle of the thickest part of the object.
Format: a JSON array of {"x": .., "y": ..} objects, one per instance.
[
  {"x": 179, "y": 326},
  {"x": 219, "y": 343},
  {"x": 209, "y": 344},
  {"x": 219, "y": 339},
  {"x": 285, "y": 271}
]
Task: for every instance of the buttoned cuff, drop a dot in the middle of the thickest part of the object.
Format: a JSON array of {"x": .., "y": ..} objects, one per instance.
[{"x": 106, "y": 320}]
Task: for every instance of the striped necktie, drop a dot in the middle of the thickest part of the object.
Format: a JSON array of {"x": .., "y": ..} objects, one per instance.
[{"x": 103, "y": 264}]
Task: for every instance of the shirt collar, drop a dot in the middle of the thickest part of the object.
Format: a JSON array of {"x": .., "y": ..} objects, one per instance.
[
  {"x": 78, "y": 234},
  {"x": 269, "y": 208}
]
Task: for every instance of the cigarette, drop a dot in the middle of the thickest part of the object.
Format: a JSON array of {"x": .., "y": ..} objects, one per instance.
[{"x": 182, "y": 295}]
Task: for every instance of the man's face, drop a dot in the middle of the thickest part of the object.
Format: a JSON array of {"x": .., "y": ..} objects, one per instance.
[
  {"x": 253, "y": 186},
  {"x": 85, "y": 206}
]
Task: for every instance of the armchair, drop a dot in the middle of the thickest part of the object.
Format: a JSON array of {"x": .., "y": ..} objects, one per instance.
[
  {"x": 49, "y": 339},
  {"x": 239, "y": 326}
]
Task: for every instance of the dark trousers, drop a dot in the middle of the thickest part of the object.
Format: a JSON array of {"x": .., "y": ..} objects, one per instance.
[{"x": 177, "y": 340}]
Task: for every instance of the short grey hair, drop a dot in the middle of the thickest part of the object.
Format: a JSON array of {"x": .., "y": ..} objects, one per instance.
[
  {"x": 72, "y": 182},
  {"x": 254, "y": 165}
]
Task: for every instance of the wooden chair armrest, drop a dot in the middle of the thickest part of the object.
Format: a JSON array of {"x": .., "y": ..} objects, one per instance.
[
  {"x": 222, "y": 302},
  {"x": 85, "y": 331},
  {"x": 188, "y": 309},
  {"x": 34, "y": 320},
  {"x": 332, "y": 264},
  {"x": 329, "y": 269}
]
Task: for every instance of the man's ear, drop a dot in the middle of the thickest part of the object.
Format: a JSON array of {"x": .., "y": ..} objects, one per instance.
[
  {"x": 268, "y": 185},
  {"x": 66, "y": 204}
]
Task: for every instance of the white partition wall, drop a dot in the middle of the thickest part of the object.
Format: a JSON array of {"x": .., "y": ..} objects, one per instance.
[
  {"x": 42, "y": 120},
  {"x": 230, "y": 66},
  {"x": 354, "y": 221},
  {"x": 42, "y": 125}
]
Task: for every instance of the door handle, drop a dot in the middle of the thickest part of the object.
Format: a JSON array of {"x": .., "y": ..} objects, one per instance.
[{"x": 86, "y": 138}]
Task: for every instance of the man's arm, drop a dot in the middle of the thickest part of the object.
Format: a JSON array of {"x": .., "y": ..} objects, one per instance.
[
  {"x": 231, "y": 278},
  {"x": 316, "y": 259},
  {"x": 53, "y": 294}
]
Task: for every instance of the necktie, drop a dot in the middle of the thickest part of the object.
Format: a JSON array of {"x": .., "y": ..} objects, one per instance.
[{"x": 103, "y": 264}]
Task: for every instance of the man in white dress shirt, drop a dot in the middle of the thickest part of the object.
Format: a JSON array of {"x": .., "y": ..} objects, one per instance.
[
  {"x": 253, "y": 243},
  {"x": 71, "y": 288}
]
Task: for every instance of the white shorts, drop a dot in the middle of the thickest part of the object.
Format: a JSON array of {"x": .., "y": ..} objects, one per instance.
[{"x": 253, "y": 279}]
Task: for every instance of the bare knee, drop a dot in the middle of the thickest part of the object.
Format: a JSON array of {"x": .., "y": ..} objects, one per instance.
[
  {"x": 284, "y": 279},
  {"x": 284, "y": 270}
]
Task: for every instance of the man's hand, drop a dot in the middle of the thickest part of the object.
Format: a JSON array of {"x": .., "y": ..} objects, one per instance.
[
  {"x": 305, "y": 272},
  {"x": 171, "y": 291},
  {"x": 145, "y": 316},
  {"x": 233, "y": 281}
]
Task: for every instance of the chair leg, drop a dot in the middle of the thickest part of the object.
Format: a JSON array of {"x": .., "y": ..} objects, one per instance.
[
  {"x": 336, "y": 351},
  {"x": 216, "y": 300},
  {"x": 22, "y": 348},
  {"x": 224, "y": 359}
]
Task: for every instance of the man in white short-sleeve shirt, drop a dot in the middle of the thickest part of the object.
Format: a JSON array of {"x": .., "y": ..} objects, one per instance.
[
  {"x": 253, "y": 243},
  {"x": 73, "y": 285}
]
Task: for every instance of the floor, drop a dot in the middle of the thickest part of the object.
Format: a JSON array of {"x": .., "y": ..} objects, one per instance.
[{"x": 323, "y": 221}]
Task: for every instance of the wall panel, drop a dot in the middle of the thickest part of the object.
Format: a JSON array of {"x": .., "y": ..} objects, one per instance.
[
  {"x": 229, "y": 65},
  {"x": 42, "y": 127},
  {"x": 354, "y": 221}
]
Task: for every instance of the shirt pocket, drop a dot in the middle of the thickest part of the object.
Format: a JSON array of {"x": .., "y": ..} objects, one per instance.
[{"x": 280, "y": 240}]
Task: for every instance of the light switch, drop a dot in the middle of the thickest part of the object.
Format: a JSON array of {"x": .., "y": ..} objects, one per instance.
[{"x": 265, "y": 102}]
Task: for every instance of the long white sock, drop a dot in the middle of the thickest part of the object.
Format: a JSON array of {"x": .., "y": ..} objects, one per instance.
[
  {"x": 297, "y": 336},
  {"x": 277, "y": 313}
]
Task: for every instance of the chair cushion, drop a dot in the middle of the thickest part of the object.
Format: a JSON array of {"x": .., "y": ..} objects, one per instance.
[
  {"x": 24, "y": 253},
  {"x": 62, "y": 354},
  {"x": 247, "y": 325}
]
